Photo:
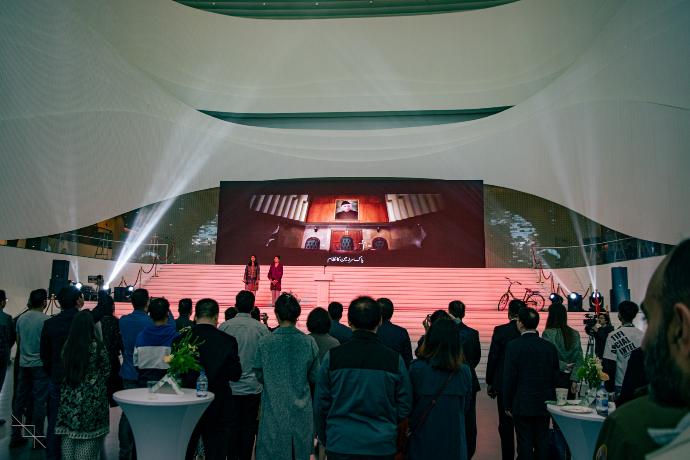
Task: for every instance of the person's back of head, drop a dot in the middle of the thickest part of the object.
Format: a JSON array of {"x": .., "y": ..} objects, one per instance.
[
  {"x": 158, "y": 309},
  {"x": 244, "y": 301},
  {"x": 255, "y": 313},
  {"x": 438, "y": 314},
  {"x": 230, "y": 313},
  {"x": 68, "y": 297},
  {"x": 514, "y": 308},
  {"x": 106, "y": 304},
  {"x": 75, "y": 352},
  {"x": 335, "y": 310},
  {"x": 184, "y": 307},
  {"x": 140, "y": 299},
  {"x": 287, "y": 308},
  {"x": 558, "y": 319},
  {"x": 457, "y": 309},
  {"x": 529, "y": 318},
  {"x": 364, "y": 313},
  {"x": 627, "y": 310},
  {"x": 442, "y": 347},
  {"x": 318, "y": 321},
  {"x": 386, "y": 308},
  {"x": 206, "y": 309},
  {"x": 37, "y": 299}
]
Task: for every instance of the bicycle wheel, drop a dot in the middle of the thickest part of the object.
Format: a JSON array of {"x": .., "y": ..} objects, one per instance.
[
  {"x": 536, "y": 301},
  {"x": 503, "y": 302}
]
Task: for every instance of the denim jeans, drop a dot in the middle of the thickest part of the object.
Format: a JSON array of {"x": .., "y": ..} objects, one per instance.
[
  {"x": 32, "y": 384},
  {"x": 125, "y": 435}
]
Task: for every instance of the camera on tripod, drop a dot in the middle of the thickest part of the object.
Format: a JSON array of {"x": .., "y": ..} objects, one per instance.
[{"x": 590, "y": 320}]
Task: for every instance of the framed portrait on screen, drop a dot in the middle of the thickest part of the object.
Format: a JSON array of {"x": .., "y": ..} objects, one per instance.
[{"x": 346, "y": 209}]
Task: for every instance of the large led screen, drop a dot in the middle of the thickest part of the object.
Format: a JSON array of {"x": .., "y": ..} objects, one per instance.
[{"x": 372, "y": 222}]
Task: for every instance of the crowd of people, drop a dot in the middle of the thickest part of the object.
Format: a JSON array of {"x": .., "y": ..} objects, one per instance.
[{"x": 352, "y": 391}]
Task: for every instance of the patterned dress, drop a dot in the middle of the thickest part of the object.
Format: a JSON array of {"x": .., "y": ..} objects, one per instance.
[
  {"x": 83, "y": 416},
  {"x": 251, "y": 277},
  {"x": 286, "y": 362}
]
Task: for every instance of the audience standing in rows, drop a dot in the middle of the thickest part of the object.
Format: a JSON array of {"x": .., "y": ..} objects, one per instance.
[
  {"x": 112, "y": 340},
  {"x": 620, "y": 343},
  {"x": 318, "y": 325},
  {"x": 246, "y": 392},
  {"x": 362, "y": 419},
  {"x": 341, "y": 332},
  {"x": 153, "y": 343},
  {"x": 184, "y": 310},
  {"x": 568, "y": 345}
]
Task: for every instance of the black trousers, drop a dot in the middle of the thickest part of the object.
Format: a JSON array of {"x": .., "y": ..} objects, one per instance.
[
  {"x": 471, "y": 426},
  {"x": 242, "y": 437},
  {"x": 506, "y": 430},
  {"x": 215, "y": 437},
  {"x": 532, "y": 437}
]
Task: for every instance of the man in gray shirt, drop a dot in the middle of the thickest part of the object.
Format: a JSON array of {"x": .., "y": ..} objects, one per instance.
[
  {"x": 247, "y": 391},
  {"x": 32, "y": 378}
]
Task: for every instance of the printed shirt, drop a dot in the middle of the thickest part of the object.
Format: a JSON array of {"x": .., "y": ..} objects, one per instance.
[{"x": 619, "y": 345}]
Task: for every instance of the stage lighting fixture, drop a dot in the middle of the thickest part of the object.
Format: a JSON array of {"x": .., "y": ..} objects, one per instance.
[
  {"x": 130, "y": 288},
  {"x": 106, "y": 287},
  {"x": 574, "y": 302},
  {"x": 555, "y": 298},
  {"x": 78, "y": 285},
  {"x": 595, "y": 298}
]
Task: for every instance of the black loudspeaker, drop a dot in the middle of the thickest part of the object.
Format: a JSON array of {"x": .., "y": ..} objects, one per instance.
[
  {"x": 619, "y": 287},
  {"x": 121, "y": 294},
  {"x": 59, "y": 276}
]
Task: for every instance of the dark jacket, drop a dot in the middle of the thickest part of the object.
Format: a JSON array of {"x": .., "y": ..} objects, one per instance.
[
  {"x": 635, "y": 380},
  {"x": 219, "y": 357},
  {"x": 502, "y": 335},
  {"x": 472, "y": 350},
  {"x": 361, "y": 418},
  {"x": 53, "y": 337},
  {"x": 397, "y": 339},
  {"x": 530, "y": 375},
  {"x": 340, "y": 332}
]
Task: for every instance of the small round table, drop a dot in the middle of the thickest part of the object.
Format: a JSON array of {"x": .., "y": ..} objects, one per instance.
[
  {"x": 580, "y": 430},
  {"x": 162, "y": 423}
]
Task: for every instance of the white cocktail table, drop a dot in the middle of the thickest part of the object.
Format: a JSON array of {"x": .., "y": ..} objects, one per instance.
[
  {"x": 580, "y": 430},
  {"x": 162, "y": 423}
]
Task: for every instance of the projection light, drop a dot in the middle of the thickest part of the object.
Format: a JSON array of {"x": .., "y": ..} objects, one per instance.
[
  {"x": 555, "y": 298},
  {"x": 130, "y": 288},
  {"x": 596, "y": 299},
  {"x": 78, "y": 285},
  {"x": 106, "y": 287},
  {"x": 574, "y": 302}
]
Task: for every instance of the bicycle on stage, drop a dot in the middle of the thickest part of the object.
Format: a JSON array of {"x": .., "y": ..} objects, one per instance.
[{"x": 531, "y": 297}]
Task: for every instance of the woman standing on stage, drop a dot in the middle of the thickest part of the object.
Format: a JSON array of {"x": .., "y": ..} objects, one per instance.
[
  {"x": 275, "y": 274},
  {"x": 251, "y": 275}
]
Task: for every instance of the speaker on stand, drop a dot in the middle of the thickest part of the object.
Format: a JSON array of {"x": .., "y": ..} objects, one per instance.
[
  {"x": 59, "y": 277},
  {"x": 619, "y": 287}
]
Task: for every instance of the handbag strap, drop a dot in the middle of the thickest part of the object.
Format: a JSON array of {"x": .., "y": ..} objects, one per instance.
[{"x": 431, "y": 405}]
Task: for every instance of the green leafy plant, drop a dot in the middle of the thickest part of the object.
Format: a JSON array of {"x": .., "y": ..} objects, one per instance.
[
  {"x": 591, "y": 372},
  {"x": 184, "y": 356}
]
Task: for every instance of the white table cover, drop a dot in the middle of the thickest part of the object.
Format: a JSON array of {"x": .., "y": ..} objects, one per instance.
[{"x": 580, "y": 430}]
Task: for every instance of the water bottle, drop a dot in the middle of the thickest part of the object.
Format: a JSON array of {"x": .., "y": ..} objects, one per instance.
[
  {"x": 602, "y": 404},
  {"x": 202, "y": 385}
]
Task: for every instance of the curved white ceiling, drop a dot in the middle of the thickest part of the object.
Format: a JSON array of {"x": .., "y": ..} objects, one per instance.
[
  {"x": 485, "y": 58},
  {"x": 86, "y": 134}
]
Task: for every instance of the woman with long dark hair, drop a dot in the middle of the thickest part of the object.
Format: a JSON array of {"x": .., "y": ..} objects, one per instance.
[
  {"x": 442, "y": 393},
  {"x": 112, "y": 340},
  {"x": 567, "y": 343},
  {"x": 275, "y": 274},
  {"x": 251, "y": 275},
  {"x": 83, "y": 415}
]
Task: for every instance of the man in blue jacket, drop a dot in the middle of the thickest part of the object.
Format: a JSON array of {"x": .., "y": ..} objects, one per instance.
[
  {"x": 154, "y": 343},
  {"x": 362, "y": 392}
]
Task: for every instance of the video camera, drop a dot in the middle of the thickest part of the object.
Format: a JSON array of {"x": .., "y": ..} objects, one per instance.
[{"x": 590, "y": 320}]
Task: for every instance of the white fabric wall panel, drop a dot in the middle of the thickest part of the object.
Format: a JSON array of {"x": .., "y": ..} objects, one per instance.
[{"x": 86, "y": 134}]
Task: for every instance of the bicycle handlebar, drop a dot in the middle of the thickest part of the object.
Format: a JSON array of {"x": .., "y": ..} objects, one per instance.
[{"x": 512, "y": 282}]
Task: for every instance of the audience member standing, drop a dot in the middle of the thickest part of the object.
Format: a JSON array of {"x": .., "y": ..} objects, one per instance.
[
  {"x": 635, "y": 381},
  {"x": 130, "y": 327},
  {"x": 620, "y": 343},
  {"x": 83, "y": 417},
  {"x": 659, "y": 421},
  {"x": 32, "y": 381},
  {"x": 391, "y": 335},
  {"x": 218, "y": 355},
  {"x": 53, "y": 336},
  {"x": 361, "y": 419},
  {"x": 567, "y": 343},
  {"x": 503, "y": 334},
  {"x": 341, "y": 332},
  {"x": 112, "y": 340},
  {"x": 6, "y": 341},
  {"x": 184, "y": 310},
  {"x": 472, "y": 350},
  {"x": 529, "y": 380},
  {"x": 442, "y": 394},
  {"x": 153, "y": 343},
  {"x": 286, "y": 362},
  {"x": 600, "y": 332},
  {"x": 246, "y": 392},
  {"x": 318, "y": 325}
]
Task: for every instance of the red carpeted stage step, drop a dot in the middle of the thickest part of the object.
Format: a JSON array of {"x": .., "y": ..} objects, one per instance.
[{"x": 415, "y": 292}]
